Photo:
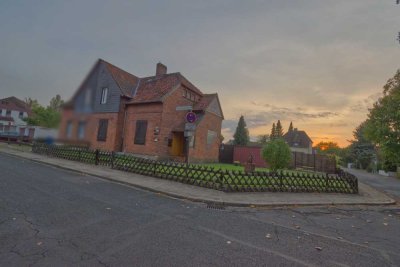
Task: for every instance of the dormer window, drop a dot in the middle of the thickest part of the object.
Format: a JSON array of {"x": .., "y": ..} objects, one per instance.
[
  {"x": 104, "y": 93},
  {"x": 8, "y": 113},
  {"x": 21, "y": 114}
]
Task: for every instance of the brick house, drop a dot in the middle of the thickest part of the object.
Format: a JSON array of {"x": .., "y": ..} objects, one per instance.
[
  {"x": 118, "y": 111},
  {"x": 298, "y": 141}
]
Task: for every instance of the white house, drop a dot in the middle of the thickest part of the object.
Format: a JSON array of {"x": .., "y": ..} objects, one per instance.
[{"x": 12, "y": 125}]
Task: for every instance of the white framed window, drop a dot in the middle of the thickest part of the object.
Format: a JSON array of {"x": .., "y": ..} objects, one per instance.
[{"x": 104, "y": 93}]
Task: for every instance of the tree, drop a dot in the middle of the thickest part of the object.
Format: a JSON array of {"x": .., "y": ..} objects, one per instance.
[
  {"x": 263, "y": 138},
  {"x": 361, "y": 149},
  {"x": 45, "y": 116},
  {"x": 383, "y": 123},
  {"x": 241, "y": 136},
  {"x": 277, "y": 154},
  {"x": 273, "y": 132},
  {"x": 56, "y": 103},
  {"x": 290, "y": 127},
  {"x": 327, "y": 148},
  {"x": 278, "y": 130},
  {"x": 31, "y": 102}
]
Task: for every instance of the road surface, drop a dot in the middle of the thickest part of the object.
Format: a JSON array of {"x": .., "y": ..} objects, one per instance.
[{"x": 53, "y": 217}]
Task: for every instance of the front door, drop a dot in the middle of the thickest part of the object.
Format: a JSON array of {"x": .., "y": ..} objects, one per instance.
[{"x": 178, "y": 144}]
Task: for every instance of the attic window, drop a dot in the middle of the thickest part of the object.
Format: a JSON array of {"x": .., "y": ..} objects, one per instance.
[{"x": 104, "y": 93}]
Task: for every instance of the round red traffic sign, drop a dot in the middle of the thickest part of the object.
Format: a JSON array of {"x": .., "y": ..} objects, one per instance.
[{"x": 190, "y": 117}]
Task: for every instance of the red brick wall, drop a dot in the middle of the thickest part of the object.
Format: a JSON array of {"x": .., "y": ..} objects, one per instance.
[
  {"x": 151, "y": 113},
  {"x": 203, "y": 152},
  {"x": 91, "y": 128},
  {"x": 242, "y": 154}
]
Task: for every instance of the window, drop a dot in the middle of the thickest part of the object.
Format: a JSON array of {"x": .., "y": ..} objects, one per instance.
[
  {"x": 69, "y": 129},
  {"x": 104, "y": 93},
  {"x": 140, "y": 133},
  {"x": 21, "y": 114},
  {"x": 81, "y": 129},
  {"x": 1, "y": 111},
  {"x": 102, "y": 131},
  {"x": 8, "y": 113}
]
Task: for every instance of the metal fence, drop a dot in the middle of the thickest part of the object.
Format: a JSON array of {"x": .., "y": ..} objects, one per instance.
[{"x": 205, "y": 176}]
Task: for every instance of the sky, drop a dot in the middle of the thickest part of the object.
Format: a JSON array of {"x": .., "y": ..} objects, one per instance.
[{"x": 320, "y": 64}]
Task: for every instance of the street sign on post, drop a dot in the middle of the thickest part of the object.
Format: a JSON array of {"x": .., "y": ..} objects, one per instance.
[
  {"x": 191, "y": 117},
  {"x": 190, "y": 126},
  {"x": 188, "y": 133},
  {"x": 180, "y": 108}
]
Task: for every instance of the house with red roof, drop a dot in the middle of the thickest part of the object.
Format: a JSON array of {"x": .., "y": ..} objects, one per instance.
[
  {"x": 117, "y": 111},
  {"x": 13, "y": 111}
]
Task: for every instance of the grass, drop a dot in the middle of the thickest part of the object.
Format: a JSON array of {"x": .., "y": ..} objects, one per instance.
[
  {"x": 208, "y": 175},
  {"x": 20, "y": 146}
]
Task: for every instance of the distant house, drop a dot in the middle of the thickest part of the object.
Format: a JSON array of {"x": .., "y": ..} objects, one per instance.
[
  {"x": 117, "y": 111},
  {"x": 12, "y": 124},
  {"x": 298, "y": 141}
]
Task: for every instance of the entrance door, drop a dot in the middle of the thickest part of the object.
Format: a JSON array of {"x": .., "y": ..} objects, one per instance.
[{"x": 178, "y": 144}]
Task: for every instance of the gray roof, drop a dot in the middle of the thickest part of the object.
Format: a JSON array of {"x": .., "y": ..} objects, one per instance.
[{"x": 297, "y": 138}]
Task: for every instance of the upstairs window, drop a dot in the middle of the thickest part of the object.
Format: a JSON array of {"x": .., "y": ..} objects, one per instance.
[
  {"x": 104, "y": 93},
  {"x": 21, "y": 114},
  {"x": 1, "y": 111},
  {"x": 8, "y": 113},
  {"x": 102, "y": 131},
  {"x": 140, "y": 133}
]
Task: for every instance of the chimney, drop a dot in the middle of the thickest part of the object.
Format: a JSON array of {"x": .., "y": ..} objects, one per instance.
[{"x": 161, "y": 69}]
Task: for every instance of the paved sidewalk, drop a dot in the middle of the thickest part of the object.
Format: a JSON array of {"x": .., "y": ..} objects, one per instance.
[{"x": 367, "y": 195}]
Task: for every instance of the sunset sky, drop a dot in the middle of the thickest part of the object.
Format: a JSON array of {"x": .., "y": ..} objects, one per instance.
[{"x": 320, "y": 64}]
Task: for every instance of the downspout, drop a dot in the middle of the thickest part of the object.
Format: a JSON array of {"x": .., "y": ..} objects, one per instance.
[{"x": 123, "y": 130}]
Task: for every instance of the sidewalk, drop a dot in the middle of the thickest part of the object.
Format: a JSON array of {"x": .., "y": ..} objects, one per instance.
[{"x": 367, "y": 195}]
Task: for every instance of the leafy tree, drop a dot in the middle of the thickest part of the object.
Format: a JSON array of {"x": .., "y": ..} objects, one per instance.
[
  {"x": 383, "y": 123},
  {"x": 263, "y": 138},
  {"x": 45, "y": 116},
  {"x": 277, "y": 154},
  {"x": 278, "y": 130},
  {"x": 31, "y": 102},
  {"x": 241, "y": 136},
  {"x": 290, "y": 127},
  {"x": 273, "y": 132},
  {"x": 56, "y": 103},
  {"x": 326, "y": 148},
  {"x": 361, "y": 149}
]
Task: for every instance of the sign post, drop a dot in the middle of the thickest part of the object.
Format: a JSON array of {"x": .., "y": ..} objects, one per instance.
[{"x": 190, "y": 127}]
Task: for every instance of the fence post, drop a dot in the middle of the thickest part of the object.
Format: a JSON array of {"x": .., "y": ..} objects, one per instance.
[
  {"x": 112, "y": 159},
  {"x": 96, "y": 158},
  {"x": 280, "y": 181},
  {"x": 327, "y": 182}
]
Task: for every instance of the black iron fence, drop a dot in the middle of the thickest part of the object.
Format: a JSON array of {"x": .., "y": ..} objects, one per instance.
[{"x": 206, "y": 176}]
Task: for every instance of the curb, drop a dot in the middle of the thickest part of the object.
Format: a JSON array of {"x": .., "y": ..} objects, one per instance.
[{"x": 199, "y": 200}]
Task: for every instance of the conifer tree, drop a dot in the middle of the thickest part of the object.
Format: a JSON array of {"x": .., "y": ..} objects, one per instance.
[
  {"x": 278, "y": 130},
  {"x": 290, "y": 127},
  {"x": 241, "y": 136},
  {"x": 273, "y": 132}
]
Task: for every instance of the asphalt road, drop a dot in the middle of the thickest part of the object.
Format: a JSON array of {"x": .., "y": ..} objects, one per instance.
[
  {"x": 52, "y": 217},
  {"x": 390, "y": 185}
]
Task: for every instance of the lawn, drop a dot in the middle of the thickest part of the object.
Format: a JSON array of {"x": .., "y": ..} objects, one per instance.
[{"x": 216, "y": 175}]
